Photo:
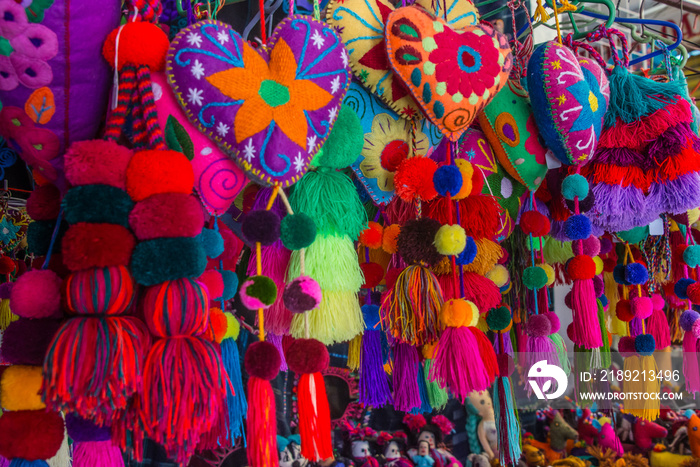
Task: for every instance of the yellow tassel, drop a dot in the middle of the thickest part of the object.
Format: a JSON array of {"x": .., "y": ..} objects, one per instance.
[
  {"x": 481, "y": 325},
  {"x": 633, "y": 387},
  {"x": 354, "y": 347},
  {"x": 566, "y": 6},
  {"x": 650, "y": 386},
  {"x": 611, "y": 293},
  {"x": 540, "y": 13},
  {"x": 487, "y": 255},
  {"x": 443, "y": 268},
  {"x": 6, "y": 315}
]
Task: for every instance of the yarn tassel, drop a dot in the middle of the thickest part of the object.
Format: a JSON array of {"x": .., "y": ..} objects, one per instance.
[
  {"x": 488, "y": 356},
  {"x": 657, "y": 326},
  {"x": 337, "y": 319},
  {"x": 630, "y": 386},
  {"x": 17, "y": 462},
  {"x": 650, "y": 386},
  {"x": 374, "y": 384},
  {"x": 235, "y": 400},
  {"x": 507, "y": 345},
  {"x": 487, "y": 255},
  {"x": 406, "y": 390},
  {"x": 560, "y": 347},
  {"x": 541, "y": 348},
  {"x": 354, "y": 351},
  {"x": 691, "y": 371},
  {"x": 6, "y": 315},
  {"x": 437, "y": 396},
  {"x": 276, "y": 340},
  {"x": 314, "y": 418},
  {"x": 585, "y": 314},
  {"x": 94, "y": 453},
  {"x": 261, "y": 424},
  {"x": 456, "y": 365},
  {"x": 605, "y": 358},
  {"x": 425, "y": 406},
  {"x": 507, "y": 424}
]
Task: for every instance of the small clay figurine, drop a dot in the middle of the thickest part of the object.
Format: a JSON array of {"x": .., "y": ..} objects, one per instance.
[
  {"x": 422, "y": 457},
  {"x": 360, "y": 445},
  {"x": 394, "y": 447},
  {"x": 290, "y": 451},
  {"x": 433, "y": 433}
]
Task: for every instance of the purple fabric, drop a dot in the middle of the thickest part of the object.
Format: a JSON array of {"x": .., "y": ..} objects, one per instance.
[
  {"x": 374, "y": 383},
  {"x": 676, "y": 196},
  {"x": 82, "y": 430}
]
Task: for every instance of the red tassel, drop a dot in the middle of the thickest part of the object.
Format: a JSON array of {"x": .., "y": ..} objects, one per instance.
[
  {"x": 314, "y": 418},
  {"x": 486, "y": 351},
  {"x": 261, "y": 424}
]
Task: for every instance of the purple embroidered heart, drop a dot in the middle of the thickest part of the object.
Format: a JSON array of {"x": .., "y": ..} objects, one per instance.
[{"x": 271, "y": 109}]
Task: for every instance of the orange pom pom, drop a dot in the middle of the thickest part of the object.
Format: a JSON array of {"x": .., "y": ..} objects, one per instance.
[
  {"x": 219, "y": 325},
  {"x": 140, "y": 43},
  {"x": 414, "y": 179},
  {"x": 391, "y": 234},
  {"x": 154, "y": 172},
  {"x": 371, "y": 237}
]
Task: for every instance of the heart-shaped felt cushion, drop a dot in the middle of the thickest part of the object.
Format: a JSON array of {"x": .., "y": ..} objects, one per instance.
[
  {"x": 452, "y": 73},
  {"x": 360, "y": 24},
  {"x": 510, "y": 127},
  {"x": 271, "y": 109},
  {"x": 569, "y": 98},
  {"x": 388, "y": 142}
]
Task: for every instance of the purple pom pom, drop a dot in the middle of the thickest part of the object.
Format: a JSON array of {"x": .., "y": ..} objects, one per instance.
[
  {"x": 302, "y": 294},
  {"x": 554, "y": 321},
  {"x": 539, "y": 326},
  {"x": 81, "y": 430},
  {"x": 606, "y": 246},
  {"x": 598, "y": 285},
  {"x": 25, "y": 341},
  {"x": 261, "y": 226},
  {"x": 688, "y": 318}
]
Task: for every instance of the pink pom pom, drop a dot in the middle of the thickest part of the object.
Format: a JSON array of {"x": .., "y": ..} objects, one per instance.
[
  {"x": 37, "y": 294},
  {"x": 97, "y": 162},
  {"x": 214, "y": 283},
  {"x": 696, "y": 329},
  {"x": 555, "y": 323},
  {"x": 657, "y": 301},
  {"x": 642, "y": 307},
  {"x": 539, "y": 326},
  {"x": 591, "y": 246}
]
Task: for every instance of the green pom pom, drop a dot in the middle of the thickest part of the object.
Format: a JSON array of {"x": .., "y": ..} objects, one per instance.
[
  {"x": 97, "y": 204},
  {"x": 297, "y": 231},
  {"x": 634, "y": 235},
  {"x": 574, "y": 186},
  {"x": 213, "y": 242},
  {"x": 258, "y": 292},
  {"x": 39, "y": 237},
  {"x": 534, "y": 277},
  {"x": 167, "y": 259},
  {"x": 498, "y": 319},
  {"x": 345, "y": 142},
  {"x": 535, "y": 242}
]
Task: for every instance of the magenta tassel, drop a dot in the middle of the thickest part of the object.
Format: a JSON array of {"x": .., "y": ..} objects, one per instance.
[
  {"x": 585, "y": 313},
  {"x": 374, "y": 383},
  {"x": 276, "y": 340},
  {"x": 457, "y": 366},
  {"x": 657, "y": 326},
  {"x": 406, "y": 366},
  {"x": 93, "y": 453},
  {"x": 691, "y": 372}
]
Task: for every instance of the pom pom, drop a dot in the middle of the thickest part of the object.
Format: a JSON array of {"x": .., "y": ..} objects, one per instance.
[
  {"x": 606, "y": 246},
  {"x": 599, "y": 266},
  {"x": 166, "y": 259},
  {"x": 549, "y": 270},
  {"x": 584, "y": 205},
  {"x": 627, "y": 346},
  {"x": 37, "y": 294},
  {"x": 644, "y": 344},
  {"x": 371, "y": 237},
  {"x": 581, "y": 267},
  {"x": 306, "y": 356},
  {"x": 691, "y": 256},
  {"x": 232, "y": 244},
  {"x": 214, "y": 283},
  {"x": 6, "y": 265},
  {"x": 302, "y": 294},
  {"x": 467, "y": 255},
  {"x": 574, "y": 186},
  {"x": 30, "y": 434},
  {"x": 658, "y": 301},
  {"x": 415, "y": 241},
  {"x": 81, "y": 430},
  {"x": 535, "y": 223},
  {"x": 539, "y": 326},
  {"x": 623, "y": 310},
  {"x": 447, "y": 179},
  {"x": 5, "y": 290},
  {"x": 154, "y": 172},
  {"x": 457, "y": 313},
  {"x": 212, "y": 242},
  {"x": 374, "y": 273},
  {"x": 262, "y": 360},
  {"x": 218, "y": 323},
  {"x": 499, "y": 318},
  {"x": 97, "y": 162},
  {"x": 642, "y": 307},
  {"x": 450, "y": 240},
  {"x": 390, "y": 238},
  {"x": 695, "y": 330},
  {"x": 230, "y": 284},
  {"x": 577, "y": 227},
  {"x": 636, "y": 273},
  {"x": 466, "y": 170},
  {"x": 261, "y": 226},
  {"x": 604, "y": 301},
  {"x": 591, "y": 246},
  {"x": 44, "y": 203},
  {"x": 140, "y": 43},
  {"x": 20, "y": 386},
  {"x": 534, "y": 277},
  {"x": 693, "y": 292},
  {"x": 567, "y": 300},
  {"x": 598, "y": 286},
  {"x": 345, "y": 142},
  {"x": 619, "y": 273},
  {"x": 370, "y": 313},
  {"x": 681, "y": 288},
  {"x": 414, "y": 179},
  {"x": 176, "y": 308},
  {"x": 297, "y": 231},
  {"x": 687, "y": 319},
  {"x": 258, "y": 292},
  {"x": 167, "y": 215},
  {"x": 499, "y": 275},
  {"x": 25, "y": 341},
  {"x": 233, "y": 327},
  {"x": 87, "y": 246},
  {"x": 97, "y": 204},
  {"x": 555, "y": 323}
]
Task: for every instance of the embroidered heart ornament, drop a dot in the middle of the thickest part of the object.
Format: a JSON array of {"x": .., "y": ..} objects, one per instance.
[
  {"x": 361, "y": 24},
  {"x": 451, "y": 73},
  {"x": 271, "y": 109},
  {"x": 569, "y": 98}
]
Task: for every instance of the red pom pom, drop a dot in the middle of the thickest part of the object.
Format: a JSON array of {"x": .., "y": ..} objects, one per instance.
[
  {"x": 581, "y": 267},
  {"x": 391, "y": 276},
  {"x": 44, "y": 203},
  {"x": 626, "y": 346},
  {"x": 6, "y": 265},
  {"x": 535, "y": 223},
  {"x": 214, "y": 283},
  {"x": 167, "y": 215},
  {"x": 140, "y": 43},
  {"x": 30, "y": 434},
  {"x": 97, "y": 162},
  {"x": 153, "y": 172},
  {"x": 609, "y": 264},
  {"x": 477, "y": 182},
  {"x": 96, "y": 246},
  {"x": 694, "y": 293},
  {"x": 374, "y": 273},
  {"x": 623, "y": 310},
  {"x": 372, "y": 236},
  {"x": 37, "y": 294},
  {"x": 414, "y": 179},
  {"x": 306, "y": 356},
  {"x": 262, "y": 360}
]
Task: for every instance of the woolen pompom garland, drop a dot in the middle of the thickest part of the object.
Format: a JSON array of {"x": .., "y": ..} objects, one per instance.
[
  {"x": 97, "y": 162},
  {"x": 87, "y": 246},
  {"x": 447, "y": 179},
  {"x": 37, "y": 294},
  {"x": 306, "y": 356},
  {"x": 450, "y": 240},
  {"x": 155, "y": 172},
  {"x": 167, "y": 215},
  {"x": 176, "y": 308},
  {"x": 97, "y": 204},
  {"x": 212, "y": 242},
  {"x": 258, "y": 292}
]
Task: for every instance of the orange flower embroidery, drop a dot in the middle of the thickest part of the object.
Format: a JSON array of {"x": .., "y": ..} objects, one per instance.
[{"x": 271, "y": 93}]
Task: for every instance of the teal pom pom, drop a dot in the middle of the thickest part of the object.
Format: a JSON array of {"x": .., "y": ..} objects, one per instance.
[
  {"x": 577, "y": 227},
  {"x": 644, "y": 344},
  {"x": 498, "y": 319},
  {"x": 691, "y": 256},
  {"x": 574, "y": 186},
  {"x": 39, "y": 236},
  {"x": 297, "y": 231},
  {"x": 345, "y": 142},
  {"x": 230, "y": 284},
  {"x": 213, "y": 242},
  {"x": 534, "y": 277},
  {"x": 167, "y": 259},
  {"x": 447, "y": 179},
  {"x": 97, "y": 204},
  {"x": 634, "y": 235}
]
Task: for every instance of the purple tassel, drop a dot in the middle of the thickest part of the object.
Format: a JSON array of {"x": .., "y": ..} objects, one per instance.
[
  {"x": 587, "y": 332},
  {"x": 621, "y": 157},
  {"x": 507, "y": 344},
  {"x": 458, "y": 365},
  {"x": 620, "y": 208},
  {"x": 691, "y": 372},
  {"x": 676, "y": 196},
  {"x": 635, "y": 327},
  {"x": 4, "y": 462},
  {"x": 406, "y": 365},
  {"x": 277, "y": 342},
  {"x": 374, "y": 384},
  {"x": 557, "y": 231}
]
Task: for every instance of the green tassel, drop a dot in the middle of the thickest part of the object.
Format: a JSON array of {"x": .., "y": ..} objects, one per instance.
[
  {"x": 561, "y": 353},
  {"x": 630, "y": 96},
  {"x": 556, "y": 251},
  {"x": 605, "y": 359},
  {"x": 332, "y": 261},
  {"x": 330, "y": 198},
  {"x": 436, "y": 395}
]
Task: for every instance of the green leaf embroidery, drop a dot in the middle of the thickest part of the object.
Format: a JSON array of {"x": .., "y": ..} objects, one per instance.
[{"x": 177, "y": 139}]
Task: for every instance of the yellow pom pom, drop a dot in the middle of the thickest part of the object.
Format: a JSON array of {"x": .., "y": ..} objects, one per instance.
[
  {"x": 391, "y": 234},
  {"x": 474, "y": 314},
  {"x": 598, "y": 265},
  {"x": 20, "y": 386},
  {"x": 467, "y": 170},
  {"x": 233, "y": 327},
  {"x": 550, "y": 273},
  {"x": 428, "y": 351},
  {"x": 693, "y": 215},
  {"x": 450, "y": 240},
  {"x": 482, "y": 325},
  {"x": 458, "y": 312},
  {"x": 499, "y": 275}
]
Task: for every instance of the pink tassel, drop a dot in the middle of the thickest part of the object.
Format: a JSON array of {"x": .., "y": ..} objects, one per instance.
[
  {"x": 456, "y": 366},
  {"x": 93, "y": 453},
  {"x": 657, "y": 326},
  {"x": 691, "y": 372},
  {"x": 586, "y": 326}
]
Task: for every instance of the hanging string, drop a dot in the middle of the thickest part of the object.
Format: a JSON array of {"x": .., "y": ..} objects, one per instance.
[
  {"x": 263, "y": 33},
  {"x": 258, "y": 261},
  {"x": 556, "y": 20},
  {"x": 317, "y": 10}
]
